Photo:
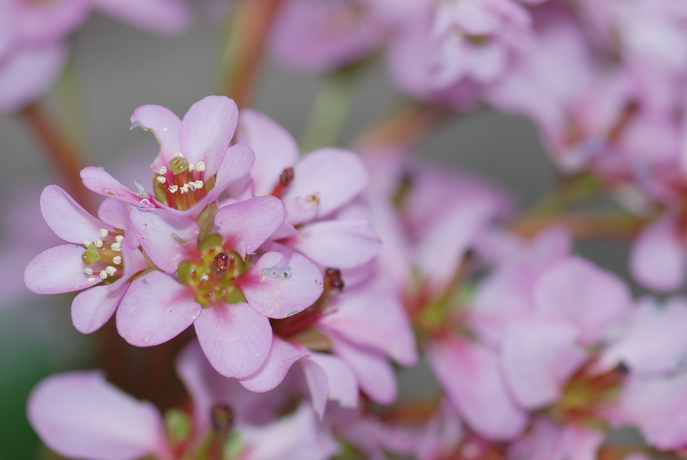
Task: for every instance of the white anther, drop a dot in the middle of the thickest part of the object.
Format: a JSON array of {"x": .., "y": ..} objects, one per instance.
[
  {"x": 179, "y": 154},
  {"x": 102, "y": 233},
  {"x": 191, "y": 185},
  {"x": 110, "y": 270},
  {"x": 173, "y": 188},
  {"x": 117, "y": 260},
  {"x": 103, "y": 275},
  {"x": 204, "y": 277},
  {"x": 199, "y": 184},
  {"x": 162, "y": 170},
  {"x": 161, "y": 179},
  {"x": 116, "y": 247},
  {"x": 91, "y": 279},
  {"x": 190, "y": 166},
  {"x": 87, "y": 243},
  {"x": 88, "y": 271},
  {"x": 183, "y": 189},
  {"x": 119, "y": 238},
  {"x": 98, "y": 243},
  {"x": 200, "y": 166}
]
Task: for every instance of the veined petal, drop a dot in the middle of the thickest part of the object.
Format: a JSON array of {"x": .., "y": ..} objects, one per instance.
[
  {"x": 155, "y": 309},
  {"x": 80, "y": 415},
  {"x": 166, "y": 239},
  {"x": 337, "y": 243},
  {"x": 247, "y": 224},
  {"x": 235, "y": 338},
  {"x": 67, "y": 218},
  {"x": 273, "y": 370},
  {"x": 207, "y": 130},
  {"x": 102, "y": 183},
  {"x": 279, "y": 285},
  {"x": 57, "y": 270},
  {"x": 337, "y": 175},
  {"x": 165, "y": 125},
  {"x": 92, "y": 308},
  {"x": 275, "y": 149}
]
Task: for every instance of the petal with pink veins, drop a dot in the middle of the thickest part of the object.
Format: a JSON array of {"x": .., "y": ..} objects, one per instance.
[
  {"x": 337, "y": 243},
  {"x": 57, "y": 270},
  {"x": 590, "y": 297},
  {"x": 273, "y": 370},
  {"x": 471, "y": 375},
  {"x": 538, "y": 355},
  {"x": 167, "y": 239},
  {"x": 92, "y": 308},
  {"x": 66, "y": 217},
  {"x": 235, "y": 338},
  {"x": 274, "y": 147},
  {"x": 80, "y": 415},
  {"x": 98, "y": 181},
  {"x": 279, "y": 286},
  {"x": 155, "y": 309},
  {"x": 247, "y": 224},
  {"x": 165, "y": 125},
  {"x": 337, "y": 175},
  {"x": 207, "y": 130},
  {"x": 657, "y": 258}
]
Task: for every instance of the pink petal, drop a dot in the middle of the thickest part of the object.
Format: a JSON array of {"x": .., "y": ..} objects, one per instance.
[
  {"x": 80, "y": 415},
  {"x": 57, "y": 270},
  {"x": 67, "y": 218},
  {"x": 592, "y": 298},
  {"x": 155, "y": 309},
  {"x": 471, "y": 376},
  {"x": 273, "y": 370},
  {"x": 275, "y": 149},
  {"x": 163, "y": 16},
  {"x": 657, "y": 258},
  {"x": 329, "y": 377},
  {"x": 537, "y": 357},
  {"x": 235, "y": 338},
  {"x": 579, "y": 443},
  {"x": 206, "y": 131},
  {"x": 29, "y": 73},
  {"x": 247, "y": 224},
  {"x": 279, "y": 285},
  {"x": 52, "y": 21},
  {"x": 114, "y": 213},
  {"x": 337, "y": 175},
  {"x": 165, "y": 125},
  {"x": 102, "y": 183},
  {"x": 166, "y": 239},
  {"x": 338, "y": 243},
  {"x": 301, "y": 209},
  {"x": 92, "y": 308}
]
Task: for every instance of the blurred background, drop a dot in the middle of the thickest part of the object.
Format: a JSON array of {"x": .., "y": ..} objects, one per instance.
[{"x": 120, "y": 68}]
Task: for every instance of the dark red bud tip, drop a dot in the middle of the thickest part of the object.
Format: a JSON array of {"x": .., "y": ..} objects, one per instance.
[
  {"x": 222, "y": 418},
  {"x": 332, "y": 279},
  {"x": 286, "y": 177},
  {"x": 219, "y": 265}
]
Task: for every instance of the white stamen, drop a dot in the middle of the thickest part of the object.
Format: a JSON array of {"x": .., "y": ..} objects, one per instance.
[
  {"x": 91, "y": 279},
  {"x": 204, "y": 277},
  {"x": 183, "y": 189},
  {"x": 103, "y": 275},
  {"x": 98, "y": 243},
  {"x": 117, "y": 260},
  {"x": 173, "y": 188},
  {"x": 200, "y": 166},
  {"x": 162, "y": 170},
  {"x": 88, "y": 271},
  {"x": 119, "y": 238},
  {"x": 191, "y": 185},
  {"x": 87, "y": 243},
  {"x": 179, "y": 154},
  {"x": 199, "y": 184},
  {"x": 116, "y": 247},
  {"x": 110, "y": 270},
  {"x": 102, "y": 233},
  {"x": 190, "y": 166},
  {"x": 161, "y": 179}
]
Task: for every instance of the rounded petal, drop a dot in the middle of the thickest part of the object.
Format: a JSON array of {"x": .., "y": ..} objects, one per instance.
[
  {"x": 247, "y": 224},
  {"x": 57, "y": 270},
  {"x": 80, "y": 415},
  {"x": 657, "y": 258},
  {"x": 338, "y": 243},
  {"x": 590, "y": 297},
  {"x": 67, "y": 218},
  {"x": 274, "y": 147},
  {"x": 337, "y": 175},
  {"x": 165, "y": 125},
  {"x": 207, "y": 130},
  {"x": 279, "y": 286},
  {"x": 92, "y": 308},
  {"x": 155, "y": 309},
  {"x": 273, "y": 370},
  {"x": 235, "y": 338}
]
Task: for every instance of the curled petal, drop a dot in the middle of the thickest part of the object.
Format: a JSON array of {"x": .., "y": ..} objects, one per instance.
[
  {"x": 102, "y": 183},
  {"x": 165, "y": 125},
  {"x": 57, "y": 270},
  {"x": 247, "y": 224},
  {"x": 329, "y": 377}
]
